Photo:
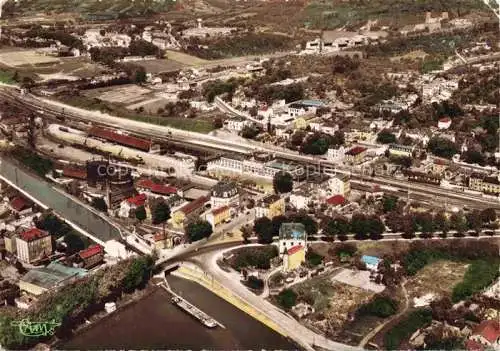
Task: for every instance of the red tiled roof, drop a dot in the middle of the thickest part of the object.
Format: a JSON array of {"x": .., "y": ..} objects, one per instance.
[
  {"x": 159, "y": 236},
  {"x": 18, "y": 203},
  {"x": 490, "y": 330},
  {"x": 156, "y": 187},
  {"x": 445, "y": 119},
  {"x": 193, "y": 205},
  {"x": 219, "y": 210},
  {"x": 137, "y": 200},
  {"x": 33, "y": 234},
  {"x": 336, "y": 200},
  {"x": 294, "y": 249},
  {"x": 472, "y": 345},
  {"x": 356, "y": 150},
  {"x": 91, "y": 251},
  {"x": 72, "y": 172},
  {"x": 122, "y": 139}
]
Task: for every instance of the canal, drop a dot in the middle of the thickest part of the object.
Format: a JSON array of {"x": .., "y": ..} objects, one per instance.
[
  {"x": 62, "y": 204},
  {"x": 155, "y": 323}
]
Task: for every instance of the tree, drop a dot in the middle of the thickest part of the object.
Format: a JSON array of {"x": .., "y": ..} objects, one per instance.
[
  {"x": 99, "y": 204},
  {"x": 198, "y": 230},
  {"x": 359, "y": 226},
  {"x": 282, "y": 182},
  {"x": 250, "y": 132},
  {"x": 218, "y": 123},
  {"x": 389, "y": 203},
  {"x": 489, "y": 215},
  {"x": 375, "y": 227},
  {"x": 138, "y": 273},
  {"x": 441, "y": 222},
  {"x": 336, "y": 226},
  {"x": 386, "y": 137},
  {"x": 474, "y": 220},
  {"x": 160, "y": 212},
  {"x": 264, "y": 229},
  {"x": 287, "y": 298},
  {"x": 277, "y": 221},
  {"x": 74, "y": 242},
  {"x": 316, "y": 144},
  {"x": 458, "y": 223},
  {"x": 425, "y": 223},
  {"x": 246, "y": 233},
  {"x": 309, "y": 223},
  {"x": 140, "y": 213},
  {"x": 442, "y": 147}
]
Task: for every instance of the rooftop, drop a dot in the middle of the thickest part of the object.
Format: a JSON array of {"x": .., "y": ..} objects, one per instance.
[
  {"x": 296, "y": 231},
  {"x": 490, "y": 330},
  {"x": 52, "y": 275},
  {"x": 33, "y": 234},
  {"x": 356, "y": 150},
  {"x": 156, "y": 187},
  {"x": 137, "y": 200},
  {"x": 75, "y": 172},
  {"x": 122, "y": 139},
  {"x": 219, "y": 210},
  {"x": 295, "y": 249},
  {"x": 19, "y": 203},
  {"x": 91, "y": 251},
  {"x": 336, "y": 200},
  {"x": 193, "y": 205}
]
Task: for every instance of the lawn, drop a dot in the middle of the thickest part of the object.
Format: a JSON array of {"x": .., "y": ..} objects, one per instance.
[
  {"x": 191, "y": 124},
  {"x": 6, "y": 77},
  {"x": 437, "y": 278}
]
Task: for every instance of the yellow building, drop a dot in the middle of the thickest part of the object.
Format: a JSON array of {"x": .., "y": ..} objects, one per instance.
[
  {"x": 10, "y": 243},
  {"x": 293, "y": 258},
  {"x": 301, "y": 123},
  {"x": 270, "y": 207},
  {"x": 401, "y": 150},
  {"x": 481, "y": 182},
  {"x": 356, "y": 155},
  {"x": 219, "y": 215},
  {"x": 33, "y": 245}
]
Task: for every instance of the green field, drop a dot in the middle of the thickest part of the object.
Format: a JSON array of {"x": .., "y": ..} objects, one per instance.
[
  {"x": 6, "y": 77},
  {"x": 191, "y": 124}
]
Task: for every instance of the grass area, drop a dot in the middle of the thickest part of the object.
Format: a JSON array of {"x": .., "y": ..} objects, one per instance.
[
  {"x": 406, "y": 327},
  {"x": 30, "y": 159},
  {"x": 324, "y": 14},
  {"x": 6, "y": 77},
  {"x": 184, "y": 58},
  {"x": 259, "y": 257},
  {"x": 438, "y": 277},
  {"x": 479, "y": 275},
  {"x": 194, "y": 125}
]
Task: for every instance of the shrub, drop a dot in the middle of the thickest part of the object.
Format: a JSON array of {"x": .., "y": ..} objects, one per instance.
[
  {"x": 287, "y": 298},
  {"x": 380, "y": 306},
  {"x": 406, "y": 327}
]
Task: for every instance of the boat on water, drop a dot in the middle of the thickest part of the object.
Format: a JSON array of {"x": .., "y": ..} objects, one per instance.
[{"x": 194, "y": 311}]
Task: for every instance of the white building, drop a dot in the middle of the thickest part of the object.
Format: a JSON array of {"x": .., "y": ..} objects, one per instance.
[
  {"x": 224, "y": 194},
  {"x": 299, "y": 201},
  {"x": 236, "y": 124},
  {"x": 128, "y": 206},
  {"x": 340, "y": 185},
  {"x": 336, "y": 154},
  {"x": 290, "y": 235}
]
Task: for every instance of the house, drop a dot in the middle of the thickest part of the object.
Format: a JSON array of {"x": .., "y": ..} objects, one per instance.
[
  {"x": 225, "y": 194},
  {"x": 236, "y": 124},
  {"x": 439, "y": 166},
  {"x": 188, "y": 211},
  {"x": 293, "y": 258},
  {"x": 91, "y": 256},
  {"x": 485, "y": 336},
  {"x": 149, "y": 187},
  {"x": 340, "y": 184},
  {"x": 218, "y": 215},
  {"x": 39, "y": 280},
  {"x": 356, "y": 155},
  {"x": 33, "y": 245},
  {"x": 160, "y": 240},
  {"x": 270, "y": 207},
  {"x": 336, "y": 200},
  {"x": 371, "y": 262},
  {"x": 401, "y": 150},
  {"x": 336, "y": 153},
  {"x": 128, "y": 206},
  {"x": 10, "y": 242},
  {"x": 290, "y": 235},
  {"x": 299, "y": 200},
  {"x": 19, "y": 205},
  {"x": 444, "y": 123}
]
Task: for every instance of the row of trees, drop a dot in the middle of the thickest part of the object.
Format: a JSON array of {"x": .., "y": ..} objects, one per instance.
[{"x": 361, "y": 225}]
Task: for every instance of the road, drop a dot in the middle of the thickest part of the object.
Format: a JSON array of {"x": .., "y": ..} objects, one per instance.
[{"x": 314, "y": 164}]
